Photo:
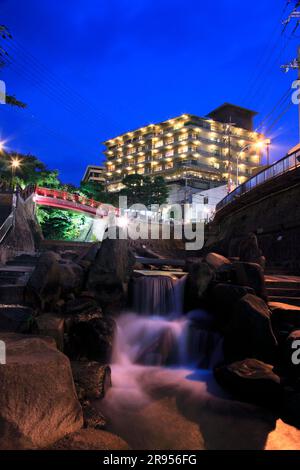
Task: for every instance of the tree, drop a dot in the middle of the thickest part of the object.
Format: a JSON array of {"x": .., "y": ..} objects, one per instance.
[
  {"x": 159, "y": 190},
  {"x": 58, "y": 224},
  {"x": 144, "y": 189},
  {"x": 30, "y": 170},
  {"x": 93, "y": 190}
]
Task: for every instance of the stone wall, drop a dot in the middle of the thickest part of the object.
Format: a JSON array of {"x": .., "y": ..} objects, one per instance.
[
  {"x": 26, "y": 233},
  {"x": 275, "y": 218}
]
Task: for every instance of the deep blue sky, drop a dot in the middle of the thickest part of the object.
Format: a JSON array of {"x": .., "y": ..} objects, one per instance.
[{"x": 91, "y": 69}]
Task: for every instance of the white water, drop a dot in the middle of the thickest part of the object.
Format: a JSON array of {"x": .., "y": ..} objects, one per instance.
[{"x": 159, "y": 399}]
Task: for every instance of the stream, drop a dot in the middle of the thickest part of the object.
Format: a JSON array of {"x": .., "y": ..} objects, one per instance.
[{"x": 164, "y": 396}]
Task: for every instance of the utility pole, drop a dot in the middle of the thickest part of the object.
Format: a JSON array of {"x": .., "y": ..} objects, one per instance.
[
  {"x": 295, "y": 63},
  {"x": 227, "y": 139}
]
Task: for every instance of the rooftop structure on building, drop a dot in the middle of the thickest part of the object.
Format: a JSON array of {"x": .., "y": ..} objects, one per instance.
[{"x": 94, "y": 173}]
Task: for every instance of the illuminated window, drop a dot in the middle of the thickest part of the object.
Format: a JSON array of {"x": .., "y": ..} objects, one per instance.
[
  {"x": 183, "y": 149},
  {"x": 159, "y": 143}
]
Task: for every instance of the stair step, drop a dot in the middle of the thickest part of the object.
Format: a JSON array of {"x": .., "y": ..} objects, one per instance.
[
  {"x": 285, "y": 300},
  {"x": 283, "y": 291},
  {"x": 12, "y": 294}
]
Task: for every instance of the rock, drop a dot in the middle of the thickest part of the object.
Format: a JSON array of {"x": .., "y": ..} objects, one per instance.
[
  {"x": 198, "y": 280},
  {"x": 16, "y": 318},
  {"x": 90, "y": 336},
  {"x": 249, "y": 333},
  {"x": 43, "y": 289},
  {"x": 201, "y": 318},
  {"x": 251, "y": 275},
  {"x": 289, "y": 358},
  {"x": 110, "y": 273},
  {"x": 92, "y": 417},
  {"x": 52, "y": 325},
  {"x": 72, "y": 277},
  {"x": 251, "y": 380},
  {"x": 291, "y": 405},
  {"x": 222, "y": 299},
  {"x": 92, "y": 380},
  {"x": 69, "y": 254},
  {"x": 91, "y": 439},
  {"x": 38, "y": 402},
  {"x": 80, "y": 305},
  {"x": 285, "y": 318},
  {"x": 91, "y": 252},
  {"x": 216, "y": 261},
  {"x": 250, "y": 252}
]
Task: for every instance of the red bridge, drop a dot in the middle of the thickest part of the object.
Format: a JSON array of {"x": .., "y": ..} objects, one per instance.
[{"x": 68, "y": 201}]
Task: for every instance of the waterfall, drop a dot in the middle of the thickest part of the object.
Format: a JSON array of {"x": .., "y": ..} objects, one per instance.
[
  {"x": 158, "y": 295},
  {"x": 157, "y": 333}
]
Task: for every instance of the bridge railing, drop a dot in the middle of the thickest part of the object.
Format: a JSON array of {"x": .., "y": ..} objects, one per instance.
[
  {"x": 73, "y": 200},
  {"x": 64, "y": 195},
  {"x": 285, "y": 164}
]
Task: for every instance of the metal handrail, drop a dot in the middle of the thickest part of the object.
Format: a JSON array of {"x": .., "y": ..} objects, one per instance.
[
  {"x": 284, "y": 165},
  {"x": 9, "y": 221}
]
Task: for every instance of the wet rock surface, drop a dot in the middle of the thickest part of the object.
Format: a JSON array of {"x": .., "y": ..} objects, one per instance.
[
  {"x": 249, "y": 333},
  {"x": 38, "y": 402},
  {"x": 251, "y": 380},
  {"x": 91, "y": 439}
]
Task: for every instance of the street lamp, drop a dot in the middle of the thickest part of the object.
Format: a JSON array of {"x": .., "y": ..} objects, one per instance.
[
  {"x": 15, "y": 163},
  {"x": 1, "y": 145},
  {"x": 259, "y": 145}
]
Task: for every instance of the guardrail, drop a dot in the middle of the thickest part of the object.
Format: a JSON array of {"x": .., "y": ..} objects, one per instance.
[
  {"x": 63, "y": 199},
  {"x": 9, "y": 221},
  {"x": 284, "y": 165}
]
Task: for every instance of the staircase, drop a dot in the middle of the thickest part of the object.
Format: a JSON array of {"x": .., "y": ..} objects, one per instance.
[
  {"x": 14, "y": 277},
  {"x": 283, "y": 288}
]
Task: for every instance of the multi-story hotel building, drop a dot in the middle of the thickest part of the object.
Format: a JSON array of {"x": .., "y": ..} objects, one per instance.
[
  {"x": 191, "y": 150},
  {"x": 95, "y": 173}
]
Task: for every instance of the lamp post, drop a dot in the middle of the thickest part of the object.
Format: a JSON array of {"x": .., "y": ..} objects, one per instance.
[
  {"x": 268, "y": 143},
  {"x": 258, "y": 145},
  {"x": 15, "y": 163}
]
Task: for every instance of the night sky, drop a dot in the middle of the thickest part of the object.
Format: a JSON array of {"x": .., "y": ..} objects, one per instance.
[{"x": 92, "y": 69}]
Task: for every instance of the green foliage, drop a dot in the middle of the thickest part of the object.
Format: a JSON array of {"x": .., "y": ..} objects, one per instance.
[
  {"x": 13, "y": 101},
  {"x": 144, "y": 190},
  {"x": 30, "y": 171},
  {"x": 60, "y": 224}
]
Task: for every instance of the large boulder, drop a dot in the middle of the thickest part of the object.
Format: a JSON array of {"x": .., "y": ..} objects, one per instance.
[
  {"x": 216, "y": 261},
  {"x": 51, "y": 325},
  {"x": 251, "y": 275},
  {"x": 200, "y": 276},
  {"x": 16, "y": 318},
  {"x": 90, "y": 336},
  {"x": 110, "y": 273},
  {"x": 72, "y": 277},
  {"x": 92, "y": 380},
  {"x": 91, "y": 439},
  {"x": 222, "y": 299},
  {"x": 249, "y": 251},
  {"x": 43, "y": 289},
  {"x": 38, "y": 402},
  {"x": 285, "y": 318},
  {"x": 289, "y": 362},
  {"x": 249, "y": 333},
  {"x": 251, "y": 380}
]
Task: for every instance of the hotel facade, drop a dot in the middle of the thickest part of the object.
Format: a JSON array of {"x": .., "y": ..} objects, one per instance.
[{"x": 200, "y": 152}]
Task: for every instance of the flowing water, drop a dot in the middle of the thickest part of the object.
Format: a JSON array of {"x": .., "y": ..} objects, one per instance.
[{"x": 164, "y": 395}]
